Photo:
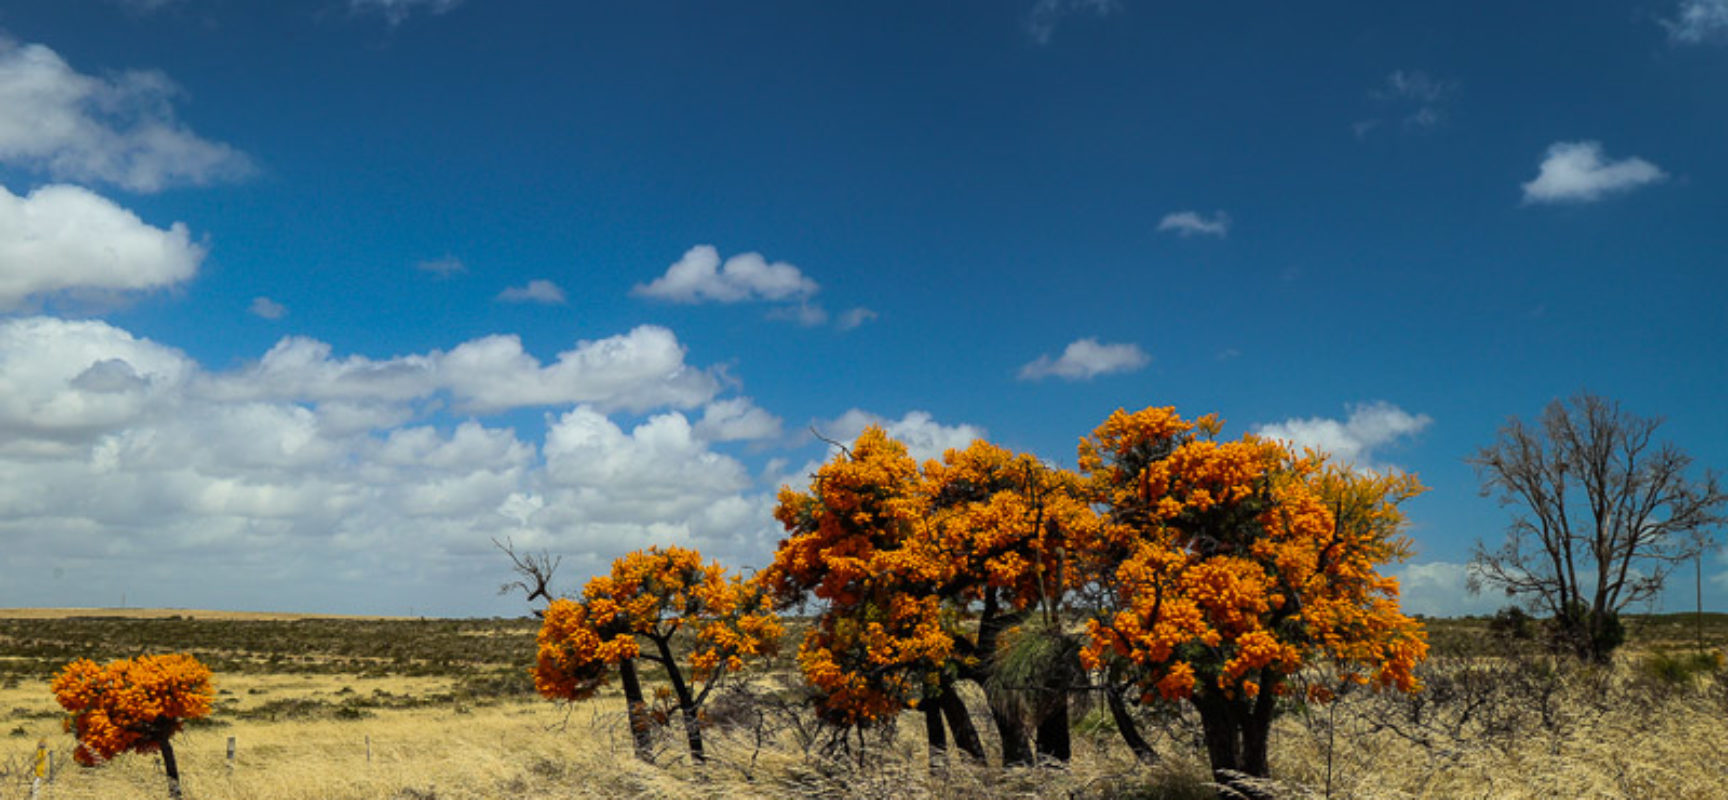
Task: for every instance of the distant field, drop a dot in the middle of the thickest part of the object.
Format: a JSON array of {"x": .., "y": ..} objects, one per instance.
[{"x": 165, "y": 613}]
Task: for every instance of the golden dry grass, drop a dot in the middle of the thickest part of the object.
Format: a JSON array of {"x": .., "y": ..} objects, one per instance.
[{"x": 1675, "y": 749}]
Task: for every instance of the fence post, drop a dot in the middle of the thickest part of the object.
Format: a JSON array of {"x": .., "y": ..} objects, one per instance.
[
  {"x": 41, "y": 768},
  {"x": 368, "y": 749},
  {"x": 230, "y": 754}
]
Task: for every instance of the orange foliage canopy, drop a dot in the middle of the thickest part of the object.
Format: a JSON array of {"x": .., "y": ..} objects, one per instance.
[
  {"x": 132, "y": 704},
  {"x": 899, "y": 554},
  {"x": 652, "y": 594},
  {"x": 1234, "y": 564}
]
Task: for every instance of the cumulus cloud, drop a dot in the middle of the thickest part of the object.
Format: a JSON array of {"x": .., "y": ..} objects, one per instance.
[
  {"x": 267, "y": 308},
  {"x": 1698, "y": 21},
  {"x": 125, "y": 464},
  {"x": 1047, "y": 14},
  {"x": 735, "y": 419},
  {"x": 635, "y": 371},
  {"x": 1576, "y": 172},
  {"x": 853, "y": 318},
  {"x": 1355, "y": 439},
  {"x": 537, "y": 291},
  {"x": 1085, "y": 359},
  {"x": 700, "y": 277},
  {"x": 120, "y": 130},
  {"x": 398, "y": 10},
  {"x": 61, "y": 238},
  {"x": 924, "y": 437},
  {"x": 1190, "y": 223},
  {"x": 1441, "y": 589}
]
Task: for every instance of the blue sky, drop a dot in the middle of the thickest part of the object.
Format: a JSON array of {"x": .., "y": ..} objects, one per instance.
[{"x": 303, "y": 303}]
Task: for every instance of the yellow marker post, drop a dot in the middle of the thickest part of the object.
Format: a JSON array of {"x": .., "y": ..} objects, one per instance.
[{"x": 41, "y": 759}]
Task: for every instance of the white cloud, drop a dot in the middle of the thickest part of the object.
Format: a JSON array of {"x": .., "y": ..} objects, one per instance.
[
  {"x": 809, "y": 315},
  {"x": 442, "y": 267},
  {"x": 267, "y": 308},
  {"x": 924, "y": 437},
  {"x": 1698, "y": 21},
  {"x": 398, "y": 10},
  {"x": 854, "y": 318},
  {"x": 635, "y": 371},
  {"x": 1190, "y": 223},
  {"x": 1575, "y": 172},
  {"x": 125, "y": 465},
  {"x": 1085, "y": 359},
  {"x": 537, "y": 291},
  {"x": 65, "y": 238},
  {"x": 700, "y": 277},
  {"x": 1354, "y": 440},
  {"x": 735, "y": 419},
  {"x": 120, "y": 130},
  {"x": 1046, "y": 14},
  {"x": 1440, "y": 589}
]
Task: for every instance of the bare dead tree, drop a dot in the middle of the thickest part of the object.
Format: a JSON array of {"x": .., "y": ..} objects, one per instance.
[
  {"x": 533, "y": 572},
  {"x": 1605, "y": 514}
]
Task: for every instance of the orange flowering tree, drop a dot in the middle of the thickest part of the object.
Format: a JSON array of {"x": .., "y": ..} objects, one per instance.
[
  {"x": 634, "y": 612},
  {"x": 880, "y": 644},
  {"x": 1003, "y": 523},
  {"x": 134, "y": 705},
  {"x": 1224, "y": 568},
  {"x": 921, "y": 572}
]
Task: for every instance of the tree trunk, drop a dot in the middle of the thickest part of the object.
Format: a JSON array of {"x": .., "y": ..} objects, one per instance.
[
  {"x": 934, "y": 732},
  {"x": 171, "y": 767},
  {"x": 686, "y": 703},
  {"x": 960, "y": 723},
  {"x": 637, "y": 709},
  {"x": 1054, "y": 739},
  {"x": 1257, "y": 729},
  {"x": 1221, "y": 731},
  {"x": 1130, "y": 730},
  {"x": 1016, "y": 747}
]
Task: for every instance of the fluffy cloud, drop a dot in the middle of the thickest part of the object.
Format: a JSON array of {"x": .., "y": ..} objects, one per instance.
[
  {"x": 924, "y": 437},
  {"x": 736, "y": 419},
  {"x": 267, "y": 308},
  {"x": 1441, "y": 589},
  {"x": 1047, "y": 14},
  {"x": 1190, "y": 223},
  {"x": 119, "y": 130},
  {"x": 853, "y": 318},
  {"x": 124, "y": 464},
  {"x": 1698, "y": 21},
  {"x": 1354, "y": 439},
  {"x": 537, "y": 291},
  {"x": 61, "y": 238},
  {"x": 636, "y": 371},
  {"x": 1575, "y": 172},
  {"x": 1084, "y": 359},
  {"x": 700, "y": 277}
]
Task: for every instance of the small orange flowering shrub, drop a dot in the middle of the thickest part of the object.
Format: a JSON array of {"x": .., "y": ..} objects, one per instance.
[
  {"x": 132, "y": 705},
  {"x": 648, "y": 597},
  {"x": 1229, "y": 566}
]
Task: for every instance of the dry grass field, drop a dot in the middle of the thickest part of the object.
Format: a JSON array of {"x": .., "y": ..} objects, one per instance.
[{"x": 442, "y": 717}]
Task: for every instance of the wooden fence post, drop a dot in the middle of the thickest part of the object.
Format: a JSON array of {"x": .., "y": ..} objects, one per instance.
[
  {"x": 230, "y": 754},
  {"x": 368, "y": 749},
  {"x": 41, "y": 768}
]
